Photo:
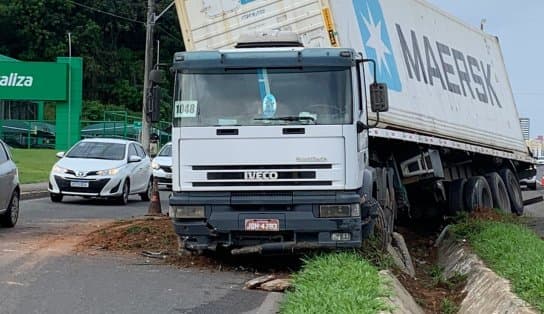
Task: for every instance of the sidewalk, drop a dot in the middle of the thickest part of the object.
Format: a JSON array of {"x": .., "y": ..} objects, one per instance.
[{"x": 34, "y": 190}]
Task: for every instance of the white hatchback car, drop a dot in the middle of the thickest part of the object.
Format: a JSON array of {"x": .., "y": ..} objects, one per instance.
[
  {"x": 162, "y": 165},
  {"x": 106, "y": 168}
]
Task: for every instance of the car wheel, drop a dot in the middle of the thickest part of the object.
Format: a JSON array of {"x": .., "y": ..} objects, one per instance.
[
  {"x": 55, "y": 198},
  {"x": 10, "y": 217},
  {"x": 146, "y": 196},
  {"x": 123, "y": 199}
]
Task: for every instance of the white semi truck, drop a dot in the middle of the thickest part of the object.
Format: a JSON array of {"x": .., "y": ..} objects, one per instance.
[{"x": 282, "y": 144}]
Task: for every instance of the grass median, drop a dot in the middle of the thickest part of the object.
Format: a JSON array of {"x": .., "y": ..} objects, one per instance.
[
  {"x": 336, "y": 283},
  {"x": 511, "y": 250},
  {"x": 34, "y": 164}
]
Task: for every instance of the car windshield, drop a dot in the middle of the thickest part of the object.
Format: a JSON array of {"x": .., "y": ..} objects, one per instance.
[
  {"x": 166, "y": 151},
  {"x": 98, "y": 150},
  {"x": 264, "y": 97}
]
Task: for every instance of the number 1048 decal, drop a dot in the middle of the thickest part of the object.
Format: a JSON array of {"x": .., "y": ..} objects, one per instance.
[{"x": 185, "y": 109}]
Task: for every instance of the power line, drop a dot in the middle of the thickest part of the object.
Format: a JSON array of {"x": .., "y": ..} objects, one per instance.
[{"x": 105, "y": 12}]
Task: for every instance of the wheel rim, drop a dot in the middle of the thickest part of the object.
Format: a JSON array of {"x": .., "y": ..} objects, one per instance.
[{"x": 14, "y": 208}]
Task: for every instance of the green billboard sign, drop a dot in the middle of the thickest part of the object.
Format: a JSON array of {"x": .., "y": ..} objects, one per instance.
[{"x": 33, "y": 81}]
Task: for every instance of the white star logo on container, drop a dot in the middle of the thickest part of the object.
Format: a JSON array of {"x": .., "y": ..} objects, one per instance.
[{"x": 375, "y": 41}]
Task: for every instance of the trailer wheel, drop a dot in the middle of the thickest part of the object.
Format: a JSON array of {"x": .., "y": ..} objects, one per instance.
[
  {"x": 477, "y": 194},
  {"x": 456, "y": 200},
  {"x": 514, "y": 190},
  {"x": 498, "y": 192}
]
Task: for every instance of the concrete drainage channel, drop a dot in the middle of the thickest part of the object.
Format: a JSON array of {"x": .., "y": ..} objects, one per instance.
[{"x": 484, "y": 291}]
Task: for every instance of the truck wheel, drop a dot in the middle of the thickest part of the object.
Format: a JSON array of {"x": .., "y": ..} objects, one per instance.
[
  {"x": 456, "y": 199},
  {"x": 477, "y": 194},
  {"x": 382, "y": 229},
  {"x": 514, "y": 190},
  {"x": 498, "y": 192}
]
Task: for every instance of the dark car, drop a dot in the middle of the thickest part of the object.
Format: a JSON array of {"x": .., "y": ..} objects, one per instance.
[{"x": 9, "y": 191}]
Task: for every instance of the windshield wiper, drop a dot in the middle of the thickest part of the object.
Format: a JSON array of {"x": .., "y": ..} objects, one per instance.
[{"x": 288, "y": 118}]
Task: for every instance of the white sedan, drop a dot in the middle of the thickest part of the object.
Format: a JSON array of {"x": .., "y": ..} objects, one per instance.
[
  {"x": 106, "y": 168},
  {"x": 162, "y": 165}
]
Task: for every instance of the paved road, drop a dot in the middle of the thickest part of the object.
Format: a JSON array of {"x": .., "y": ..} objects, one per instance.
[
  {"x": 535, "y": 212},
  {"x": 41, "y": 273}
]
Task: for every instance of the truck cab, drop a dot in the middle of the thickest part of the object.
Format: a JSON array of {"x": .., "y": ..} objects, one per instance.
[{"x": 270, "y": 147}]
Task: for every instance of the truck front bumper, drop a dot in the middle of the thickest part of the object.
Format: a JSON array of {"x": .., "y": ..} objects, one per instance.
[{"x": 300, "y": 227}]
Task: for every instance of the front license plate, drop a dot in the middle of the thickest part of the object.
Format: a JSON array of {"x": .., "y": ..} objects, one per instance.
[
  {"x": 262, "y": 224},
  {"x": 79, "y": 184}
]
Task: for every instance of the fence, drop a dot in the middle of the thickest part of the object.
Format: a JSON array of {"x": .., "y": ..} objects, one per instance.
[{"x": 41, "y": 133}]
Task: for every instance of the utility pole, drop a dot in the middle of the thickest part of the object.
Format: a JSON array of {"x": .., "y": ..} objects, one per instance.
[{"x": 150, "y": 24}]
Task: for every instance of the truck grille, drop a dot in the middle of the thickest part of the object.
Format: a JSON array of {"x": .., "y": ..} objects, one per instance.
[{"x": 261, "y": 175}]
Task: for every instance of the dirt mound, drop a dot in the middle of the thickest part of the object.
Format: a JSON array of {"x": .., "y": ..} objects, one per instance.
[
  {"x": 152, "y": 236},
  {"x": 487, "y": 214}
]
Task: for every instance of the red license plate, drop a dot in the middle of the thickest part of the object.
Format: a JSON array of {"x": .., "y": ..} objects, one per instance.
[{"x": 262, "y": 224}]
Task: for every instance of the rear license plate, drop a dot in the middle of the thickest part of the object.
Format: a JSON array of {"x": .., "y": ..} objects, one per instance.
[
  {"x": 79, "y": 184},
  {"x": 262, "y": 224}
]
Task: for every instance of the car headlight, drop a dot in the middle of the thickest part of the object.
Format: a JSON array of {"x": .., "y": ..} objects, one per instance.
[
  {"x": 339, "y": 211},
  {"x": 155, "y": 165},
  {"x": 59, "y": 170},
  {"x": 188, "y": 212},
  {"x": 108, "y": 172}
]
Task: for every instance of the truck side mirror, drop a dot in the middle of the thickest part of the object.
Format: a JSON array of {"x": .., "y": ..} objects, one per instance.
[
  {"x": 379, "y": 99},
  {"x": 154, "y": 105}
]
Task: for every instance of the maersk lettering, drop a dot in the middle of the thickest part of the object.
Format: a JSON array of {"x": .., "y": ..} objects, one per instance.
[
  {"x": 458, "y": 72},
  {"x": 16, "y": 80}
]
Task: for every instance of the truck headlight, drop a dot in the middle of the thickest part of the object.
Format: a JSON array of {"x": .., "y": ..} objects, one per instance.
[
  {"x": 339, "y": 211},
  {"x": 108, "y": 172},
  {"x": 187, "y": 212},
  {"x": 155, "y": 165}
]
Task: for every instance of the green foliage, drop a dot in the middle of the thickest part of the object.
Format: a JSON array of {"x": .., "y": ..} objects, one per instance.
[
  {"x": 448, "y": 307},
  {"x": 34, "y": 164},
  {"x": 112, "y": 48},
  {"x": 511, "y": 250},
  {"x": 336, "y": 283}
]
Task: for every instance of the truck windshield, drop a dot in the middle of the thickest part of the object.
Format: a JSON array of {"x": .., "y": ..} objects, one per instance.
[{"x": 263, "y": 97}]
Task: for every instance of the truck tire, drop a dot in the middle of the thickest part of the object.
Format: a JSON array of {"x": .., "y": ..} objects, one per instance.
[
  {"x": 477, "y": 194},
  {"x": 514, "y": 190},
  {"x": 382, "y": 233},
  {"x": 498, "y": 192},
  {"x": 456, "y": 200}
]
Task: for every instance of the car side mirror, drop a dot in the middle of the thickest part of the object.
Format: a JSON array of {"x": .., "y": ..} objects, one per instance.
[
  {"x": 60, "y": 154},
  {"x": 134, "y": 158},
  {"x": 379, "y": 99}
]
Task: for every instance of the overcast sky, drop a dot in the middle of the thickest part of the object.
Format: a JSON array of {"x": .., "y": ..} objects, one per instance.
[{"x": 520, "y": 28}]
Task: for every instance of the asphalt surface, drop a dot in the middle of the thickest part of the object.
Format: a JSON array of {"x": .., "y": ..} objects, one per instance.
[
  {"x": 41, "y": 271},
  {"x": 534, "y": 213}
]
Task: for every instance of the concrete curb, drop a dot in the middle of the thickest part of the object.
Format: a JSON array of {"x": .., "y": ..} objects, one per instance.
[
  {"x": 401, "y": 301},
  {"x": 486, "y": 292},
  {"x": 34, "y": 195},
  {"x": 34, "y": 190}
]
